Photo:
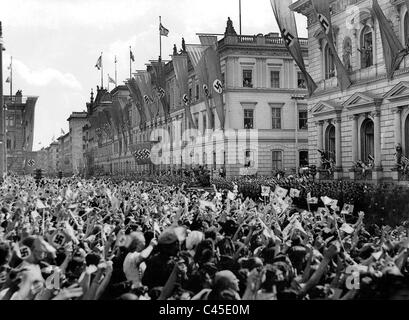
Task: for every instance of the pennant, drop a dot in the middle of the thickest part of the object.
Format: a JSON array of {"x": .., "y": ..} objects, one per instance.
[
  {"x": 98, "y": 65},
  {"x": 329, "y": 202},
  {"x": 393, "y": 51},
  {"x": 311, "y": 200},
  {"x": 288, "y": 27},
  {"x": 295, "y": 193},
  {"x": 8, "y": 79},
  {"x": 347, "y": 209},
  {"x": 280, "y": 192},
  {"x": 265, "y": 191},
  {"x": 180, "y": 65},
  {"x": 163, "y": 31},
  {"x": 323, "y": 15},
  {"x": 110, "y": 80},
  {"x": 131, "y": 56}
]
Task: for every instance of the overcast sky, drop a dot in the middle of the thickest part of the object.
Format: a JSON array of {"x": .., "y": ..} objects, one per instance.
[{"x": 55, "y": 44}]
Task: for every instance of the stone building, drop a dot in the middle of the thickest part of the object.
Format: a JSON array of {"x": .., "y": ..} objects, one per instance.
[
  {"x": 77, "y": 121},
  {"x": 19, "y": 123},
  {"x": 369, "y": 120},
  {"x": 264, "y": 94},
  {"x": 64, "y": 160}
]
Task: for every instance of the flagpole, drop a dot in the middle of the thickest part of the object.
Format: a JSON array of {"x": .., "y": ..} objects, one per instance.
[
  {"x": 240, "y": 15},
  {"x": 130, "y": 62},
  {"x": 160, "y": 39},
  {"x": 108, "y": 83},
  {"x": 116, "y": 75},
  {"x": 11, "y": 79},
  {"x": 102, "y": 74}
]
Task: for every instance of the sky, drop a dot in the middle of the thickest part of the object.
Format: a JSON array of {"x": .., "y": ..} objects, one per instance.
[{"x": 56, "y": 44}]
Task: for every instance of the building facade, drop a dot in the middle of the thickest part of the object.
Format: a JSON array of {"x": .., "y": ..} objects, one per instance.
[
  {"x": 266, "y": 118},
  {"x": 19, "y": 124},
  {"x": 77, "y": 121},
  {"x": 370, "y": 120}
]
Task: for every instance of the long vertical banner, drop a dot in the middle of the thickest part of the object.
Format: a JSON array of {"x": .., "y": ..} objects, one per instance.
[
  {"x": 215, "y": 81},
  {"x": 196, "y": 54},
  {"x": 138, "y": 100},
  {"x": 181, "y": 71},
  {"x": 158, "y": 78},
  {"x": 393, "y": 51},
  {"x": 288, "y": 27},
  {"x": 143, "y": 80},
  {"x": 323, "y": 15}
]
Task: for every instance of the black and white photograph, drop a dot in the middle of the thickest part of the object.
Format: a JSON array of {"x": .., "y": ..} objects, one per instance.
[{"x": 204, "y": 155}]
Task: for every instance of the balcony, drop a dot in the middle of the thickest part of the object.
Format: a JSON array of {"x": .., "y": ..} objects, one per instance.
[{"x": 258, "y": 40}]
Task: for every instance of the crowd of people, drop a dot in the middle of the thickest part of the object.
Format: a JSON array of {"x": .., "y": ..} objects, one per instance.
[{"x": 99, "y": 239}]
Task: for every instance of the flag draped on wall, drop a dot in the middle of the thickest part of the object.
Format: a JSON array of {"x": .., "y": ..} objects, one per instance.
[
  {"x": 117, "y": 116},
  {"x": 215, "y": 81},
  {"x": 181, "y": 71},
  {"x": 143, "y": 80},
  {"x": 323, "y": 15},
  {"x": 159, "y": 82},
  {"x": 288, "y": 27},
  {"x": 137, "y": 99},
  {"x": 126, "y": 108},
  {"x": 196, "y": 55},
  {"x": 142, "y": 153},
  {"x": 393, "y": 51}
]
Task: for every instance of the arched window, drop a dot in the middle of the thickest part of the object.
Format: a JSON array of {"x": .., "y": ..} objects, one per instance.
[
  {"x": 366, "y": 49},
  {"x": 329, "y": 65},
  {"x": 330, "y": 141},
  {"x": 367, "y": 140}
]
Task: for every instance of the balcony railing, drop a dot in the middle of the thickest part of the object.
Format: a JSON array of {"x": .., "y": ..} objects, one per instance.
[{"x": 257, "y": 40}]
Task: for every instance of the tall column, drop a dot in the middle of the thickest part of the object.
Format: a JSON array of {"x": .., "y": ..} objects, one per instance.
[
  {"x": 398, "y": 125},
  {"x": 354, "y": 119},
  {"x": 338, "y": 155},
  {"x": 320, "y": 137},
  {"x": 377, "y": 140}
]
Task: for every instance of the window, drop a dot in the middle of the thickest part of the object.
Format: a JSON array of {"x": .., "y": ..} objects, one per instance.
[
  {"x": 367, "y": 140},
  {"x": 366, "y": 48},
  {"x": 277, "y": 160},
  {"x": 303, "y": 156},
  {"x": 212, "y": 124},
  {"x": 223, "y": 78},
  {"x": 275, "y": 79},
  {"x": 190, "y": 93},
  {"x": 8, "y": 144},
  {"x": 248, "y": 78},
  {"x": 10, "y": 121},
  {"x": 301, "y": 83},
  {"x": 204, "y": 122},
  {"x": 248, "y": 119},
  {"x": 303, "y": 120},
  {"x": 197, "y": 92},
  {"x": 330, "y": 141},
  {"x": 249, "y": 159},
  {"x": 276, "y": 118},
  {"x": 329, "y": 63},
  {"x": 196, "y": 118}
]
